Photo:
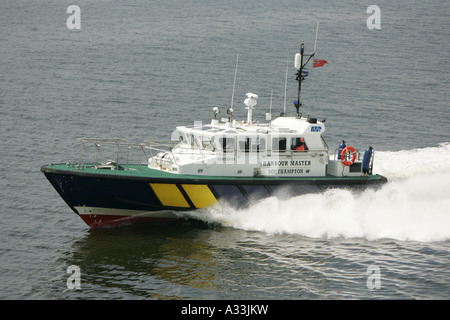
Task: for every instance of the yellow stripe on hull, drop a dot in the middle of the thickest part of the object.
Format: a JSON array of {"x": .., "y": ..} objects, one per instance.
[
  {"x": 169, "y": 195},
  {"x": 200, "y": 195}
]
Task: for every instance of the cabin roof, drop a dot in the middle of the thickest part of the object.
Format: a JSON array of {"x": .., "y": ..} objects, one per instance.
[{"x": 279, "y": 125}]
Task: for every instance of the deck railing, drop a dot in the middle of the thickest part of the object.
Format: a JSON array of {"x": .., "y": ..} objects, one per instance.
[
  {"x": 118, "y": 154},
  {"x": 111, "y": 153}
]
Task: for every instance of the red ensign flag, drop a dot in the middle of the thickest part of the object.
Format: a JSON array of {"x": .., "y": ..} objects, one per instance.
[{"x": 319, "y": 63}]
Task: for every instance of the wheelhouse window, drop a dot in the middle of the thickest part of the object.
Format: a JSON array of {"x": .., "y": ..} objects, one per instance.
[
  {"x": 244, "y": 144},
  {"x": 279, "y": 144},
  {"x": 191, "y": 140},
  {"x": 298, "y": 144},
  {"x": 227, "y": 144},
  {"x": 262, "y": 145},
  {"x": 207, "y": 142},
  {"x": 252, "y": 144}
]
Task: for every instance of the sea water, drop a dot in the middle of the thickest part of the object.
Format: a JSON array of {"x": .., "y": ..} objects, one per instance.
[{"x": 135, "y": 70}]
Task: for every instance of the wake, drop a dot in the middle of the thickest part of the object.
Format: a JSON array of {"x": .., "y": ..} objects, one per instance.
[{"x": 412, "y": 206}]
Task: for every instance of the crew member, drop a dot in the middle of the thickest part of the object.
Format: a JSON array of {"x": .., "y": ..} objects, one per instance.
[{"x": 301, "y": 144}]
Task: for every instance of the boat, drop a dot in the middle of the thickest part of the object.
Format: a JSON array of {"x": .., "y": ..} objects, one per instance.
[{"x": 224, "y": 161}]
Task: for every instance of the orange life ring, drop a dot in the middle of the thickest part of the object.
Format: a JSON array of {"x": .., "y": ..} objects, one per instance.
[{"x": 345, "y": 153}]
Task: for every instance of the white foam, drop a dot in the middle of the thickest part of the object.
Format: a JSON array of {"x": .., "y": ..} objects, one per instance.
[
  {"x": 414, "y": 205},
  {"x": 410, "y": 163}
]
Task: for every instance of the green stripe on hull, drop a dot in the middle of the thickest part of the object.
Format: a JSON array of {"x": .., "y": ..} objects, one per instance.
[{"x": 143, "y": 172}]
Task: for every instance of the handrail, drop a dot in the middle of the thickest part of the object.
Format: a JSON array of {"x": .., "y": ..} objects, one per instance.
[
  {"x": 116, "y": 144},
  {"x": 155, "y": 145}
]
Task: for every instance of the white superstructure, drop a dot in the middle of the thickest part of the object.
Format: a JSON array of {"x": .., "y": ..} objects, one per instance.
[{"x": 283, "y": 147}]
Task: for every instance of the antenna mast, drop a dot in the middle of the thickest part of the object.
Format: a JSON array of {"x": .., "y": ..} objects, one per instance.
[
  {"x": 234, "y": 83},
  {"x": 299, "y": 65},
  {"x": 315, "y": 41},
  {"x": 285, "y": 85}
]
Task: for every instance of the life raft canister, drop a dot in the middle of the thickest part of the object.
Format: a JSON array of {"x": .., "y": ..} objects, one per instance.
[
  {"x": 366, "y": 160},
  {"x": 345, "y": 155},
  {"x": 342, "y": 145}
]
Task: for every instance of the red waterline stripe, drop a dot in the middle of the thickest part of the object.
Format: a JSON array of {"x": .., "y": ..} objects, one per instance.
[{"x": 113, "y": 220}]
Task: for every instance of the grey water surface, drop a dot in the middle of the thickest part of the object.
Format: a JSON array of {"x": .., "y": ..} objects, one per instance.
[{"x": 136, "y": 69}]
